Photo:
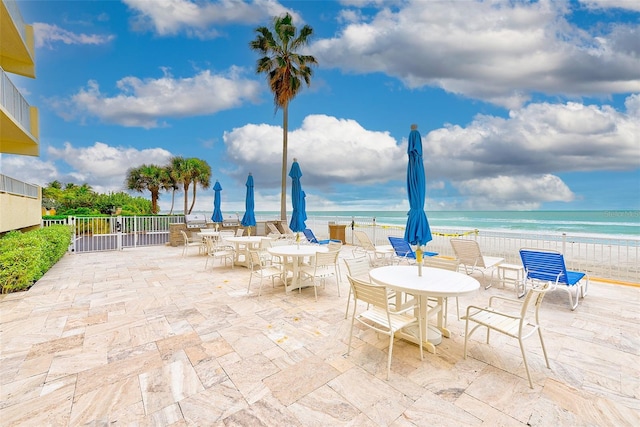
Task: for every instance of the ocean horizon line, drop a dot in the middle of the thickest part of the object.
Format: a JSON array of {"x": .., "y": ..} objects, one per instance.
[{"x": 619, "y": 223}]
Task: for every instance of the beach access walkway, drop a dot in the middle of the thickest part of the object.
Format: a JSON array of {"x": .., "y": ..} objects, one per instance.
[{"x": 147, "y": 337}]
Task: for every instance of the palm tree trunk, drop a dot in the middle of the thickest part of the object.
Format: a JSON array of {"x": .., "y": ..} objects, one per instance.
[
  {"x": 285, "y": 131},
  {"x": 154, "y": 201},
  {"x": 173, "y": 199},
  {"x": 193, "y": 201},
  {"x": 186, "y": 198}
]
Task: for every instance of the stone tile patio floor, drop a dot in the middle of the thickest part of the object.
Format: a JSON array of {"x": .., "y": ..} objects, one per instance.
[{"x": 147, "y": 337}]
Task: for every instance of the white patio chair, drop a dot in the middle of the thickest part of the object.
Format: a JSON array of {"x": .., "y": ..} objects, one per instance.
[
  {"x": 191, "y": 242},
  {"x": 260, "y": 269},
  {"x": 519, "y": 325},
  {"x": 445, "y": 264},
  {"x": 218, "y": 250},
  {"x": 470, "y": 256},
  {"x": 239, "y": 232},
  {"x": 359, "y": 268},
  {"x": 379, "y": 316},
  {"x": 334, "y": 246},
  {"x": 324, "y": 266}
]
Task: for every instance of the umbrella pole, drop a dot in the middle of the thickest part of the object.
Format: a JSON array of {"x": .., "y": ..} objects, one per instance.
[{"x": 419, "y": 260}]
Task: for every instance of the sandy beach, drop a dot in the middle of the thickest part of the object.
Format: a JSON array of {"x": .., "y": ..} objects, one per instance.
[{"x": 147, "y": 337}]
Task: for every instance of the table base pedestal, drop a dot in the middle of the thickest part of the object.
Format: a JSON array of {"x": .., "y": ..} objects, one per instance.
[{"x": 434, "y": 337}]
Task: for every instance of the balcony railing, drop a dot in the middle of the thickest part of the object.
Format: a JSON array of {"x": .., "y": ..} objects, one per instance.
[
  {"x": 13, "y": 186},
  {"x": 16, "y": 17},
  {"x": 13, "y": 101}
]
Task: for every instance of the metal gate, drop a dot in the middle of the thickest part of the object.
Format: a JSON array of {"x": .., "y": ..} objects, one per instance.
[{"x": 95, "y": 234}]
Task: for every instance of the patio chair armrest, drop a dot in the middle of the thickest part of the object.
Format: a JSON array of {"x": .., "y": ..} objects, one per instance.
[
  {"x": 506, "y": 299},
  {"x": 406, "y": 308},
  {"x": 491, "y": 310}
]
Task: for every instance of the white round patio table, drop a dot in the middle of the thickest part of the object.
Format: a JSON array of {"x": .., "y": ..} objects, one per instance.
[
  {"x": 248, "y": 242},
  {"x": 434, "y": 282},
  {"x": 297, "y": 253}
]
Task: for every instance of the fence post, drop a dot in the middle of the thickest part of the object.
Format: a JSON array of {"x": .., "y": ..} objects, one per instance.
[
  {"x": 71, "y": 220},
  {"x": 119, "y": 232},
  {"x": 564, "y": 243},
  {"x": 135, "y": 231},
  {"x": 374, "y": 231}
]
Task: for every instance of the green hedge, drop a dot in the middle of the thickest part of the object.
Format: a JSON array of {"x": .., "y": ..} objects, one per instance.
[{"x": 25, "y": 257}]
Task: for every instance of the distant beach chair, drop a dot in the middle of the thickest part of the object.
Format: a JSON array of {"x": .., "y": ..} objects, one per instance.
[
  {"x": 312, "y": 238},
  {"x": 470, "y": 256},
  {"x": 404, "y": 252},
  {"x": 274, "y": 232},
  {"x": 544, "y": 265},
  {"x": 287, "y": 231},
  {"x": 367, "y": 247}
]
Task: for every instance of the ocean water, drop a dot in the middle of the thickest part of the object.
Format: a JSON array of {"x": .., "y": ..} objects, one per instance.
[{"x": 619, "y": 223}]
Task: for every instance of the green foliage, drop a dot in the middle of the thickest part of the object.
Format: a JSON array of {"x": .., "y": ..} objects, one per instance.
[
  {"x": 76, "y": 200},
  {"x": 25, "y": 257}
]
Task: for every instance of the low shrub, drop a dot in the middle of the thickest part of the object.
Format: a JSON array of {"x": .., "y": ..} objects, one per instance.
[{"x": 25, "y": 257}]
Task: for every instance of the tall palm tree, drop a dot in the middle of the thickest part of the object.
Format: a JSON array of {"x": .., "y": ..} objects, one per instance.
[
  {"x": 284, "y": 69},
  {"x": 201, "y": 174},
  {"x": 182, "y": 174},
  {"x": 146, "y": 177},
  {"x": 170, "y": 183}
]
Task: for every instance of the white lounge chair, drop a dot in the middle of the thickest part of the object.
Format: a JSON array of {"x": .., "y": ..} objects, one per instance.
[
  {"x": 469, "y": 255},
  {"x": 376, "y": 255}
]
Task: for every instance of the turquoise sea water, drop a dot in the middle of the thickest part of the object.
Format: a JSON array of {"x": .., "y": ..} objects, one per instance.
[{"x": 616, "y": 223}]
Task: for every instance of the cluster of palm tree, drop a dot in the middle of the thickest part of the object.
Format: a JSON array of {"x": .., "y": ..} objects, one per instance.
[{"x": 180, "y": 173}]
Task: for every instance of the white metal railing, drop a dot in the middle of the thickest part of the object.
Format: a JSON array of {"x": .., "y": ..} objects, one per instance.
[
  {"x": 603, "y": 257},
  {"x": 13, "y": 101},
  {"x": 608, "y": 258},
  {"x": 20, "y": 188},
  {"x": 110, "y": 233}
]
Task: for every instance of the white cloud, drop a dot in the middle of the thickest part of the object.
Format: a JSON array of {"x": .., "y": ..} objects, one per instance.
[
  {"x": 103, "y": 166},
  {"x": 522, "y": 192},
  {"x": 330, "y": 151},
  {"x": 612, "y": 4},
  {"x": 196, "y": 18},
  {"x": 539, "y": 139},
  {"x": 142, "y": 102},
  {"x": 28, "y": 169},
  {"x": 47, "y": 35},
  {"x": 497, "y": 51}
]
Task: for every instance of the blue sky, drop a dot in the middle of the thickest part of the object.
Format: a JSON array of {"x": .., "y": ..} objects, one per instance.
[{"x": 521, "y": 105}]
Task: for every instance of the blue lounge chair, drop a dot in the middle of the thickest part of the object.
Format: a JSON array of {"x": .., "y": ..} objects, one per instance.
[
  {"x": 403, "y": 250},
  {"x": 312, "y": 238},
  {"x": 544, "y": 265}
]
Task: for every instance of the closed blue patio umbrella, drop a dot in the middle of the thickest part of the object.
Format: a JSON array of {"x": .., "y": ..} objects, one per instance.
[
  {"x": 249, "y": 218},
  {"x": 299, "y": 215},
  {"x": 417, "y": 231},
  {"x": 217, "y": 213}
]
